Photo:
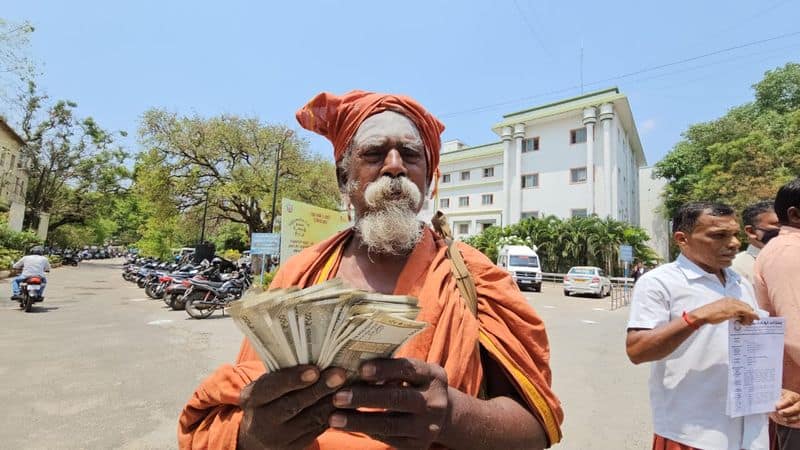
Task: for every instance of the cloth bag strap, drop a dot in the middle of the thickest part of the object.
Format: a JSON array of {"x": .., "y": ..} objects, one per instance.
[
  {"x": 459, "y": 268},
  {"x": 464, "y": 281}
]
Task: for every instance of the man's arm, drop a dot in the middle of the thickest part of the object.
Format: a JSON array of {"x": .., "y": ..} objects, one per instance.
[
  {"x": 20, "y": 264},
  {"x": 644, "y": 345},
  {"x": 502, "y": 422}
]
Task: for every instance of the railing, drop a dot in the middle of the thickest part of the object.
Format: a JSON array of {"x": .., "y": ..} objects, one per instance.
[{"x": 620, "y": 292}]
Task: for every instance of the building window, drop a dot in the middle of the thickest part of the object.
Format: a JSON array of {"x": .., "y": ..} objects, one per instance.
[
  {"x": 577, "y": 136},
  {"x": 488, "y": 172},
  {"x": 463, "y": 201},
  {"x": 577, "y": 175},
  {"x": 487, "y": 199},
  {"x": 446, "y": 178},
  {"x": 465, "y": 175},
  {"x": 529, "y": 214},
  {"x": 530, "y": 180},
  {"x": 485, "y": 225},
  {"x": 530, "y": 144},
  {"x": 444, "y": 203},
  {"x": 463, "y": 228},
  {"x": 579, "y": 212}
]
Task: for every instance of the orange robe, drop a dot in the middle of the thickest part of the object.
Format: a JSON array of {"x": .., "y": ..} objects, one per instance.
[{"x": 507, "y": 327}]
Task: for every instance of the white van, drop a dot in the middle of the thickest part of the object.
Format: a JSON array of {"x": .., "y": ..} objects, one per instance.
[{"x": 522, "y": 263}]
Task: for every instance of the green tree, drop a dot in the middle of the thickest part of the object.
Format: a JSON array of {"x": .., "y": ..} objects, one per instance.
[
  {"x": 75, "y": 168},
  {"x": 16, "y": 65},
  {"x": 564, "y": 243},
  {"x": 744, "y": 156},
  {"x": 229, "y": 161}
]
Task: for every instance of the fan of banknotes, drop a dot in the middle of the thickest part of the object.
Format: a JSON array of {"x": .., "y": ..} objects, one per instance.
[{"x": 329, "y": 324}]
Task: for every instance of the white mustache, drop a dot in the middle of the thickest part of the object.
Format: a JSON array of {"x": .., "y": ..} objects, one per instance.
[{"x": 376, "y": 193}]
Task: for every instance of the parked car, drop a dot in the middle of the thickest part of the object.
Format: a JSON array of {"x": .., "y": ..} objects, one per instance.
[
  {"x": 587, "y": 280},
  {"x": 522, "y": 263}
]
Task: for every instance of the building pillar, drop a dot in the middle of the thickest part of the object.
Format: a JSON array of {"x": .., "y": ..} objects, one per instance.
[
  {"x": 589, "y": 119},
  {"x": 516, "y": 176},
  {"x": 606, "y": 116},
  {"x": 507, "y": 155}
]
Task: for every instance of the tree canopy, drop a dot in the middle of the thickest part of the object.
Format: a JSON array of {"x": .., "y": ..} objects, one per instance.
[
  {"x": 564, "y": 243},
  {"x": 227, "y": 163},
  {"x": 744, "y": 156},
  {"x": 75, "y": 169}
]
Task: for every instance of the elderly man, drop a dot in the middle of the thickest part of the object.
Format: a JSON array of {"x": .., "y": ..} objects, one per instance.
[
  {"x": 760, "y": 225},
  {"x": 678, "y": 321},
  {"x": 777, "y": 282},
  {"x": 387, "y": 154}
]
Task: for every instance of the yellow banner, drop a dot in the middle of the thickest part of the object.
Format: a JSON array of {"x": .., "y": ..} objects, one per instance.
[{"x": 303, "y": 225}]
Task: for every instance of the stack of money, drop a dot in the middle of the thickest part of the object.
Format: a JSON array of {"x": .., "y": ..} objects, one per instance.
[{"x": 329, "y": 324}]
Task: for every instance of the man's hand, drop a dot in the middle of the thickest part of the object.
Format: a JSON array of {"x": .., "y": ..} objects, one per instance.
[
  {"x": 287, "y": 409},
  {"x": 787, "y": 411},
  {"x": 724, "y": 309},
  {"x": 414, "y": 398}
]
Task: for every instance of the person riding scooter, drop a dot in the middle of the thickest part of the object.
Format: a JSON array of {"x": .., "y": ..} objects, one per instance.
[{"x": 33, "y": 265}]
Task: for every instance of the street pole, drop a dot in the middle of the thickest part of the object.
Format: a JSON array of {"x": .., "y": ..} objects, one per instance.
[
  {"x": 275, "y": 185},
  {"x": 205, "y": 211}
]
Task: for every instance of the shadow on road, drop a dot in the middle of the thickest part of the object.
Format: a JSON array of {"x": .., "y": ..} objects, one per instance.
[
  {"x": 212, "y": 317},
  {"x": 43, "y": 309}
]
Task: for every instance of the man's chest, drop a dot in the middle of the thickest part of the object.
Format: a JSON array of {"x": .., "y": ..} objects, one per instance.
[
  {"x": 698, "y": 292},
  {"x": 373, "y": 277}
]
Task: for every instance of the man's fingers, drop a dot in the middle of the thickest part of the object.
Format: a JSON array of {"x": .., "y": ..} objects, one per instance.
[
  {"x": 392, "y": 398},
  {"x": 290, "y": 405},
  {"x": 314, "y": 416},
  {"x": 787, "y": 399},
  {"x": 273, "y": 385},
  {"x": 791, "y": 409},
  {"x": 413, "y": 371},
  {"x": 377, "y": 424}
]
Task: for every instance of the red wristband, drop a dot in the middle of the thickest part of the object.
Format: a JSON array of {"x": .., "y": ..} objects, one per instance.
[{"x": 689, "y": 321}]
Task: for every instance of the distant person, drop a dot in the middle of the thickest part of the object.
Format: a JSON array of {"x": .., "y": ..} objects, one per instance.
[
  {"x": 760, "y": 225},
  {"x": 678, "y": 322},
  {"x": 777, "y": 283},
  {"x": 33, "y": 265},
  {"x": 638, "y": 271}
]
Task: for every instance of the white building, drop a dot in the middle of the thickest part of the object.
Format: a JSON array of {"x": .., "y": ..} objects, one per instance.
[
  {"x": 652, "y": 219},
  {"x": 13, "y": 176},
  {"x": 576, "y": 157}
]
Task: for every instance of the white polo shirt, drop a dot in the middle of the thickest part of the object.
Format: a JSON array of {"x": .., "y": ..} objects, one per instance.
[{"x": 688, "y": 388}]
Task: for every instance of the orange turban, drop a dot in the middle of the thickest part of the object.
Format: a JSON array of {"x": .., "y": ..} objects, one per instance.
[{"x": 338, "y": 118}]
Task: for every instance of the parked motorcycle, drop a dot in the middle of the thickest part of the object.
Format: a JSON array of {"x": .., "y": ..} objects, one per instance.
[{"x": 205, "y": 297}]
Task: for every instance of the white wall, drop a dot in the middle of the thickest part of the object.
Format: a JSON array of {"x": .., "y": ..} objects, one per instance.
[
  {"x": 651, "y": 218},
  {"x": 553, "y": 161}
]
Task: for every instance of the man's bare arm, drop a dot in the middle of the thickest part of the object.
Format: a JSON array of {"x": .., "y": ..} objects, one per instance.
[
  {"x": 497, "y": 423},
  {"x": 658, "y": 343},
  {"x": 502, "y": 422}
]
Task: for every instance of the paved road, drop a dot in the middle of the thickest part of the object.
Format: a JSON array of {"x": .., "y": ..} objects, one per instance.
[{"x": 98, "y": 365}]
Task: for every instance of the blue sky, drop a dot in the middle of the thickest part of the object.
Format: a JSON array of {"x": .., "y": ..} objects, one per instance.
[{"x": 469, "y": 62}]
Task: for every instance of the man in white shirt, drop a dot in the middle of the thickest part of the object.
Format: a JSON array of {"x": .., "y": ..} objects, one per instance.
[
  {"x": 33, "y": 265},
  {"x": 678, "y": 322},
  {"x": 760, "y": 225}
]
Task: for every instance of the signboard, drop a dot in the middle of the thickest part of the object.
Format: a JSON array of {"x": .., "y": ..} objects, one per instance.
[
  {"x": 303, "y": 225},
  {"x": 626, "y": 253},
  {"x": 265, "y": 243}
]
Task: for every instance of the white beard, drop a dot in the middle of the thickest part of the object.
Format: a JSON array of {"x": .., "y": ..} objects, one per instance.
[{"x": 390, "y": 225}]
